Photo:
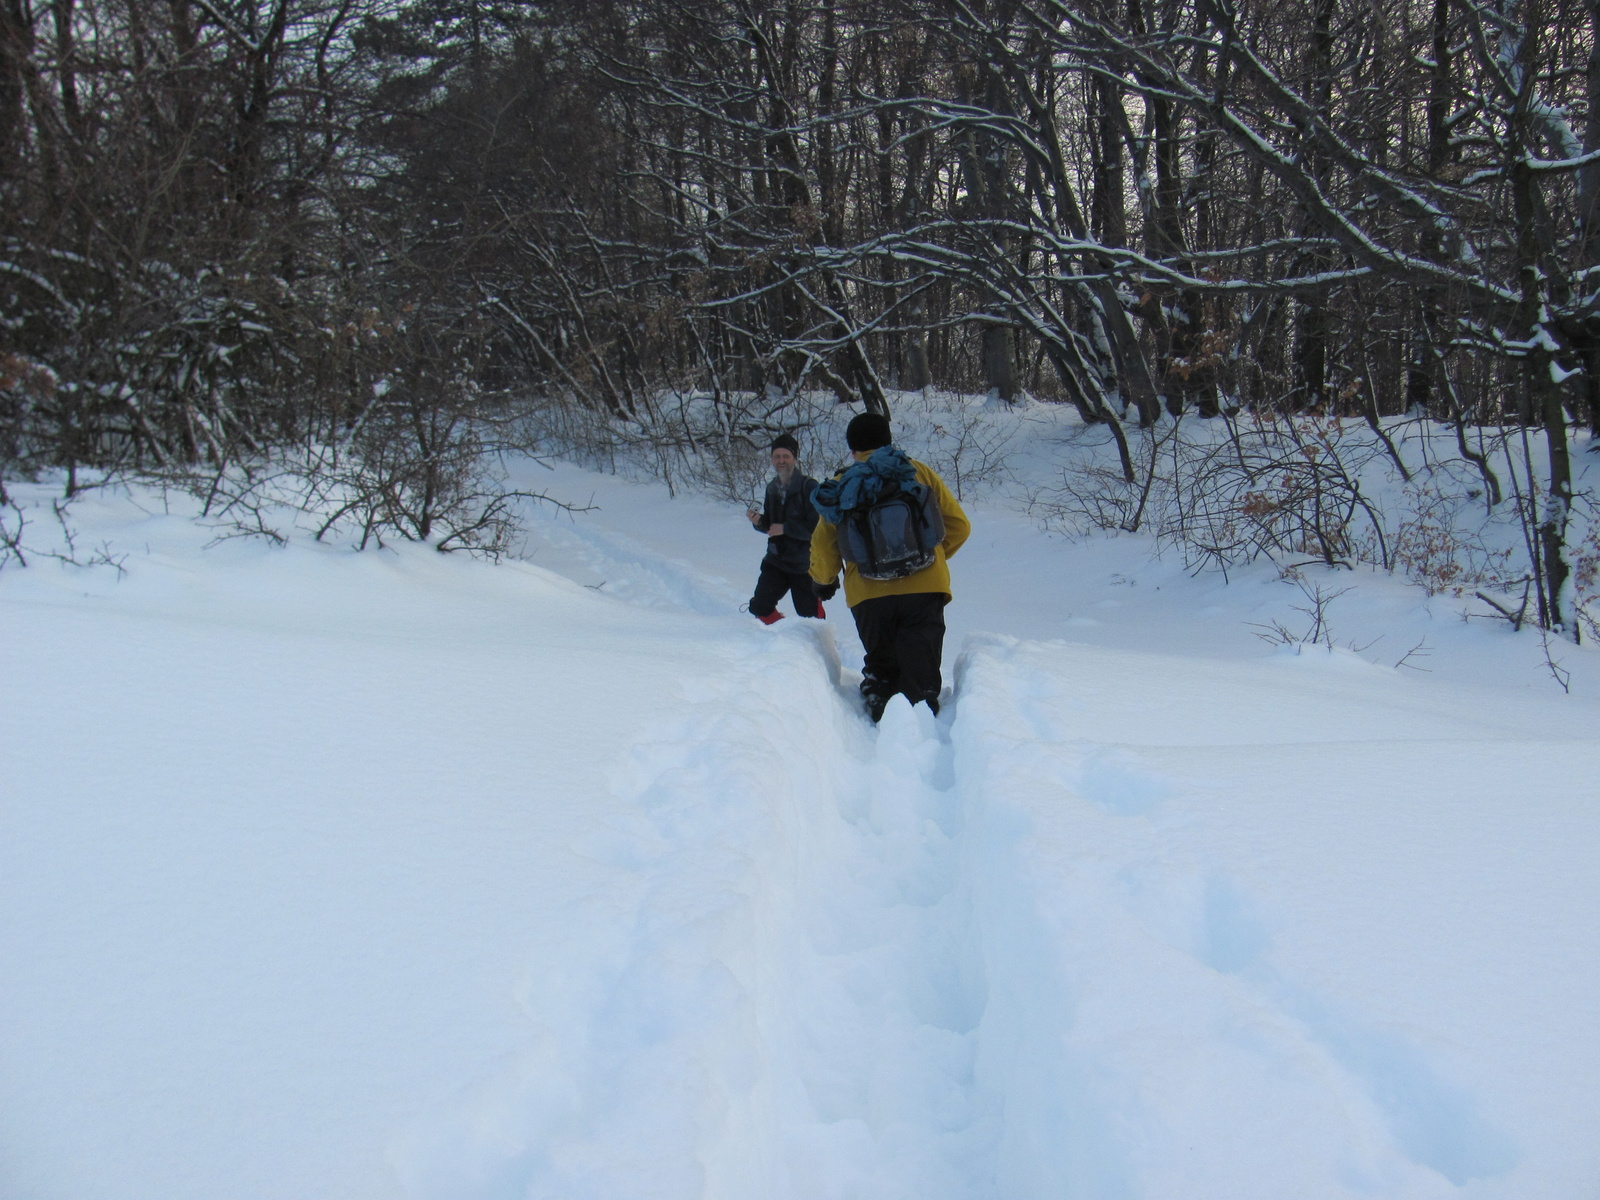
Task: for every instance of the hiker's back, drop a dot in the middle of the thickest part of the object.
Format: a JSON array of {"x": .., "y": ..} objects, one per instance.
[{"x": 889, "y": 523}]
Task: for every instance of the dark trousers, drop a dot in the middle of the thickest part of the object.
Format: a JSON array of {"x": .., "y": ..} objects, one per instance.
[
  {"x": 904, "y": 640},
  {"x": 774, "y": 582}
]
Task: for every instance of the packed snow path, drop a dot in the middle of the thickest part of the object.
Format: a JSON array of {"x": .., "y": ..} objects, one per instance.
[{"x": 393, "y": 875}]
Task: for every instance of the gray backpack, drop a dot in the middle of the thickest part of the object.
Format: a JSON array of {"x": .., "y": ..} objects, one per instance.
[{"x": 895, "y": 535}]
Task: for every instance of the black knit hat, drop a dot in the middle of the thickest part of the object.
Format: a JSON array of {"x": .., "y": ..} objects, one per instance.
[
  {"x": 868, "y": 432},
  {"x": 785, "y": 441}
]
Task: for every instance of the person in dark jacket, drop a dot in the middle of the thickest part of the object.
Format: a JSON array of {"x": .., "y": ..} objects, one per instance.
[
  {"x": 901, "y": 621},
  {"x": 787, "y": 518}
]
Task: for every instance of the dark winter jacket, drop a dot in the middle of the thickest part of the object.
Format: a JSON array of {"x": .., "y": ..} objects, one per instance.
[{"x": 791, "y": 508}]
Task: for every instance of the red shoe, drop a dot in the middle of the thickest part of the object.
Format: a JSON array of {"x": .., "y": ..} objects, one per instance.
[
  {"x": 821, "y": 612},
  {"x": 772, "y": 618}
]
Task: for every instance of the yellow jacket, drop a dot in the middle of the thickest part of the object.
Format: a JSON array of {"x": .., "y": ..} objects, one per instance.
[{"x": 826, "y": 559}]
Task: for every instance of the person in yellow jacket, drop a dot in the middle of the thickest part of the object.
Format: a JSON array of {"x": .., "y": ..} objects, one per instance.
[{"x": 901, "y": 621}]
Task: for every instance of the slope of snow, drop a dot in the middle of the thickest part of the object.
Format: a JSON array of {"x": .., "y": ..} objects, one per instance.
[{"x": 402, "y": 875}]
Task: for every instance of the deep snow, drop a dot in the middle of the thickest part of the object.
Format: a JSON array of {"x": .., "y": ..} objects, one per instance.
[{"x": 402, "y": 875}]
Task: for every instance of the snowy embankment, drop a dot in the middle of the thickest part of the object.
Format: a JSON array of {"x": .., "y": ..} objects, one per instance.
[{"x": 408, "y": 876}]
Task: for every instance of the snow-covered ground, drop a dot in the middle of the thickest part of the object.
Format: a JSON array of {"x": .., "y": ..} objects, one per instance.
[{"x": 396, "y": 874}]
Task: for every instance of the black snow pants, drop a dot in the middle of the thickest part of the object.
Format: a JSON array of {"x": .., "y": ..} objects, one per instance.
[
  {"x": 904, "y": 640},
  {"x": 774, "y": 582}
]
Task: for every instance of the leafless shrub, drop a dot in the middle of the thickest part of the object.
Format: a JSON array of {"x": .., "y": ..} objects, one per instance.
[
  {"x": 59, "y": 546},
  {"x": 408, "y": 474},
  {"x": 1436, "y": 548},
  {"x": 1315, "y": 610},
  {"x": 12, "y": 524},
  {"x": 1558, "y": 672},
  {"x": 1284, "y": 488},
  {"x": 1420, "y": 650},
  {"x": 717, "y": 445},
  {"x": 966, "y": 443},
  {"x": 1586, "y": 577}
]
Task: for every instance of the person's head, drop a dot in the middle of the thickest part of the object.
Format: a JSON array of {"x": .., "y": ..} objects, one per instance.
[
  {"x": 868, "y": 432},
  {"x": 785, "y": 453}
]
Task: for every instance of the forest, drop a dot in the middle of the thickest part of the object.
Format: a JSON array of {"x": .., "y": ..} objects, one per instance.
[{"x": 359, "y": 247}]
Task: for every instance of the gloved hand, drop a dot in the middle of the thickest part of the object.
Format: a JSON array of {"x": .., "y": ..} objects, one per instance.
[{"x": 825, "y": 591}]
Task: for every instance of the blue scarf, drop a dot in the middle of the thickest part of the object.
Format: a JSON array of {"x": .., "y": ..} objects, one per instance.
[{"x": 863, "y": 482}]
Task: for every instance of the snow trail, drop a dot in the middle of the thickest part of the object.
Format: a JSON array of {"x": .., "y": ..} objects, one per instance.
[
  {"x": 887, "y": 991},
  {"x": 789, "y": 988}
]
